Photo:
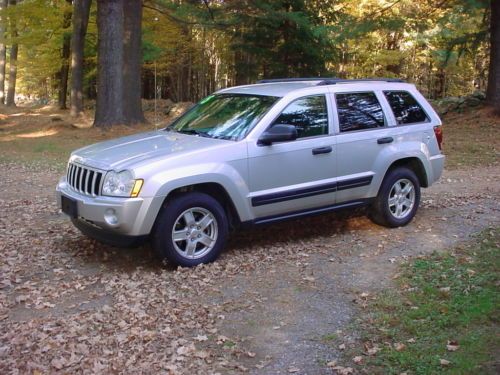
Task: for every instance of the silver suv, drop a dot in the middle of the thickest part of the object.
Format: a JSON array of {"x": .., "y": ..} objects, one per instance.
[{"x": 275, "y": 150}]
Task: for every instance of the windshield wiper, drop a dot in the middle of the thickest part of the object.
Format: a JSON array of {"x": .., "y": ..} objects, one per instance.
[{"x": 194, "y": 131}]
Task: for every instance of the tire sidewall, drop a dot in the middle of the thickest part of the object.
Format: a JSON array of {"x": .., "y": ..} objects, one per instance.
[
  {"x": 162, "y": 241},
  {"x": 389, "y": 181}
]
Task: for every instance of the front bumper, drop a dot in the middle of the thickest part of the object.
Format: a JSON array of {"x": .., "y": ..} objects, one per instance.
[{"x": 107, "y": 215}]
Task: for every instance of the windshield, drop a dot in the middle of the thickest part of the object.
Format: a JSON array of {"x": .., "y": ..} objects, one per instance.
[{"x": 224, "y": 116}]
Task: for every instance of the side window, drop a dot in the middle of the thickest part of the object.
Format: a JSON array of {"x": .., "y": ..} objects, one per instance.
[
  {"x": 405, "y": 107},
  {"x": 308, "y": 114},
  {"x": 359, "y": 111}
]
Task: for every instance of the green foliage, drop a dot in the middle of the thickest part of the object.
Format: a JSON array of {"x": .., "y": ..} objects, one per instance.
[
  {"x": 40, "y": 32},
  {"x": 281, "y": 39},
  {"x": 448, "y": 298},
  {"x": 199, "y": 46}
]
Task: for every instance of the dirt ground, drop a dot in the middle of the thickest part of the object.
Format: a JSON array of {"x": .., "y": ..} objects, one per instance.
[{"x": 282, "y": 299}]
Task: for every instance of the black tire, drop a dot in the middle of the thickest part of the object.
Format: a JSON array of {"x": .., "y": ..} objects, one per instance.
[
  {"x": 170, "y": 216},
  {"x": 381, "y": 212}
]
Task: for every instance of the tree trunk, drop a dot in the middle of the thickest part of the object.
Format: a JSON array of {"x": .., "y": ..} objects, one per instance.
[
  {"x": 11, "y": 91},
  {"x": 119, "y": 61},
  {"x": 3, "y": 57},
  {"x": 109, "y": 105},
  {"x": 65, "y": 53},
  {"x": 132, "y": 62},
  {"x": 81, "y": 11},
  {"x": 493, "y": 90}
]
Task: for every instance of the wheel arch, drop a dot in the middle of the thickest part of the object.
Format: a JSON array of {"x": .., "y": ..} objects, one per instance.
[
  {"x": 216, "y": 191},
  {"x": 413, "y": 163}
]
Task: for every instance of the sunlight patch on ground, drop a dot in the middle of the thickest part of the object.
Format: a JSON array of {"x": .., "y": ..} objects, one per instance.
[{"x": 38, "y": 134}]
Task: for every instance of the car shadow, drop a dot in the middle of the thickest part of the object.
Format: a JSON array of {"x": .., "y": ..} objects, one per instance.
[{"x": 92, "y": 254}]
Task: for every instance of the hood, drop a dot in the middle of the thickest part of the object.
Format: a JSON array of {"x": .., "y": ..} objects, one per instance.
[{"x": 121, "y": 153}]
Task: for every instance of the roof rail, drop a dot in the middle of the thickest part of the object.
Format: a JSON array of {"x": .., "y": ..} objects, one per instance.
[
  {"x": 333, "y": 81},
  {"x": 276, "y": 80},
  {"x": 329, "y": 81}
]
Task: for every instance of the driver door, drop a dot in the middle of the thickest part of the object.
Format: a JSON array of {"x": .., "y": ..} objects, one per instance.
[{"x": 295, "y": 175}]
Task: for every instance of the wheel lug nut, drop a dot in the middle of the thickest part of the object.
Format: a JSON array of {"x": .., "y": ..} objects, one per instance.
[
  {"x": 198, "y": 228},
  {"x": 199, "y": 236}
]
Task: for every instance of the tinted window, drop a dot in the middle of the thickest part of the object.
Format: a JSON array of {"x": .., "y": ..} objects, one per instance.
[
  {"x": 225, "y": 116},
  {"x": 405, "y": 107},
  {"x": 358, "y": 111},
  {"x": 309, "y": 115}
]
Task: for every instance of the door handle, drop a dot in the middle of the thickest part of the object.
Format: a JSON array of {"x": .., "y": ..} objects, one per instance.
[
  {"x": 381, "y": 141},
  {"x": 322, "y": 150}
]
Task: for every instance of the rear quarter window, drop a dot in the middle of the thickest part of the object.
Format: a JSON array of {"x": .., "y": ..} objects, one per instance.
[
  {"x": 359, "y": 111},
  {"x": 405, "y": 107}
]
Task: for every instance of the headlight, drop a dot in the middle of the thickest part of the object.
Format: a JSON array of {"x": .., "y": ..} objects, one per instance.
[{"x": 121, "y": 184}]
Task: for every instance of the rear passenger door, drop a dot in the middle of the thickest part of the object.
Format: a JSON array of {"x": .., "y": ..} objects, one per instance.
[{"x": 362, "y": 133}]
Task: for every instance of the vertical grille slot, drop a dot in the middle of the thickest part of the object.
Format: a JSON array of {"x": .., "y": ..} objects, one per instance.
[{"x": 84, "y": 180}]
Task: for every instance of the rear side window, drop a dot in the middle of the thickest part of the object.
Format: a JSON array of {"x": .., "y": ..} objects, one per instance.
[
  {"x": 405, "y": 107},
  {"x": 359, "y": 111},
  {"x": 309, "y": 115}
]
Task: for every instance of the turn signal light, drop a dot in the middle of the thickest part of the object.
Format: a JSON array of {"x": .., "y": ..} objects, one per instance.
[{"x": 137, "y": 187}]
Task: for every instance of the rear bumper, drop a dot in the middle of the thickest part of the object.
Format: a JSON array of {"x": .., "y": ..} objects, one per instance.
[{"x": 437, "y": 165}]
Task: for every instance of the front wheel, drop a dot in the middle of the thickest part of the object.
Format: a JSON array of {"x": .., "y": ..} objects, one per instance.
[
  {"x": 191, "y": 229},
  {"x": 398, "y": 198}
]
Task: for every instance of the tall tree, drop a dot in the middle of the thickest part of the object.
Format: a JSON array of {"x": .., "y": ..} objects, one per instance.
[
  {"x": 3, "y": 50},
  {"x": 81, "y": 12},
  {"x": 119, "y": 59},
  {"x": 65, "y": 54},
  {"x": 132, "y": 61},
  {"x": 109, "y": 106},
  {"x": 493, "y": 90},
  {"x": 11, "y": 91},
  {"x": 279, "y": 39}
]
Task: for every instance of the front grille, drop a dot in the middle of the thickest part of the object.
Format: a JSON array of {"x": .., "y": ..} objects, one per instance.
[{"x": 84, "y": 180}]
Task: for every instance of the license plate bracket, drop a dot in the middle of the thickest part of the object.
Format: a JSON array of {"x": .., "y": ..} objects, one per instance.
[{"x": 69, "y": 207}]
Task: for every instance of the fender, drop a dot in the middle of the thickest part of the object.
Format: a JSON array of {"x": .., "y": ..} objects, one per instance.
[
  {"x": 401, "y": 150},
  {"x": 226, "y": 175}
]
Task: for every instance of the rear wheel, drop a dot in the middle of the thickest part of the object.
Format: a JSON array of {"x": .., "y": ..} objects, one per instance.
[
  {"x": 191, "y": 229},
  {"x": 398, "y": 198}
]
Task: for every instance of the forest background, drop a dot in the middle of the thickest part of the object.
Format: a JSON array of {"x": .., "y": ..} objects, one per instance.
[{"x": 119, "y": 51}]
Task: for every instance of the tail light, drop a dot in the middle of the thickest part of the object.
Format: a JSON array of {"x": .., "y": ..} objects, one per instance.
[{"x": 438, "y": 130}]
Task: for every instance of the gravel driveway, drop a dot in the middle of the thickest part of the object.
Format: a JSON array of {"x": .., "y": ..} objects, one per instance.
[{"x": 270, "y": 305}]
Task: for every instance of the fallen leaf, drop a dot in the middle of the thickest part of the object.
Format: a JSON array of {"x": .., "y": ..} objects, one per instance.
[
  {"x": 444, "y": 362},
  {"x": 293, "y": 369},
  {"x": 203, "y": 354},
  {"x": 357, "y": 360},
  {"x": 343, "y": 370},
  {"x": 452, "y": 346},
  {"x": 58, "y": 363},
  {"x": 342, "y": 346},
  {"x": 399, "y": 346},
  {"x": 373, "y": 351}
]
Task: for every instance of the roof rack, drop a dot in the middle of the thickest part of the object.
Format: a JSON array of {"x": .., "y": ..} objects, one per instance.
[
  {"x": 330, "y": 81},
  {"x": 277, "y": 80},
  {"x": 334, "y": 81}
]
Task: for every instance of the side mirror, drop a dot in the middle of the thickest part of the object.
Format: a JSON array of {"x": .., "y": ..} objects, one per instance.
[{"x": 278, "y": 133}]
